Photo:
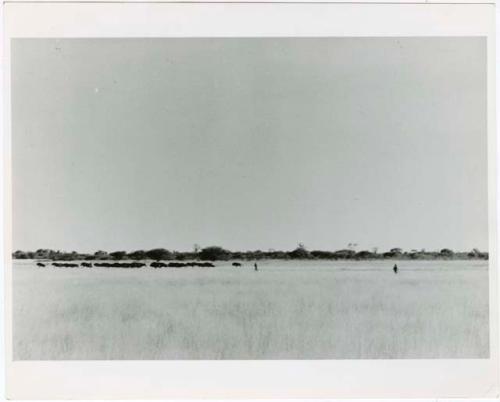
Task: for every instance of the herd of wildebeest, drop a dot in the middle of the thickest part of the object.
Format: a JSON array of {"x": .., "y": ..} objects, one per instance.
[{"x": 154, "y": 264}]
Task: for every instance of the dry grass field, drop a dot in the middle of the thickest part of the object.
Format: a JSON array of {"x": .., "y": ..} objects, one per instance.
[{"x": 286, "y": 310}]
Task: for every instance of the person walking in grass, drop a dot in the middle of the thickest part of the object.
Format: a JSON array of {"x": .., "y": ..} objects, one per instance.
[
  {"x": 395, "y": 268},
  {"x": 255, "y": 268}
]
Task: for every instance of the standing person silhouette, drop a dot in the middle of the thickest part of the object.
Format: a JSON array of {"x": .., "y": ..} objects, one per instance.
[
  {"x": 395, "y": 268},
  {"x": 255, "y": 267}
]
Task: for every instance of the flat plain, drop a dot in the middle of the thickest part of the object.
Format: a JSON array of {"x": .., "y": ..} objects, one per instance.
[{"x": 286, "y": 310}]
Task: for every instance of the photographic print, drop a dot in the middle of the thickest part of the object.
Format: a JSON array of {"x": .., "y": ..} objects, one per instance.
[{"x": 249, "y": 198}]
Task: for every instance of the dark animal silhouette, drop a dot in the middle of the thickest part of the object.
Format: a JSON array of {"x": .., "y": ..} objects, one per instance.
[
  {"x": 176, "y": 265},
  {"x": 395, "y": 268},
  {"x": 119, "y": 265},
  {"x": 190, "y": 264},
  {"x": 39, "y": 264},
  {"x": 157, "y": 264},
  {"x": 64, "y": 265},
  {"x": 236, "y": 264}
]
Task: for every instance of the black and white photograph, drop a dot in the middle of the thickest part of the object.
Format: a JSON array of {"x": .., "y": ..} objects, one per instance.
[
  {"x": 250, "y": 201},
  {"x": 249, "y": 198}
]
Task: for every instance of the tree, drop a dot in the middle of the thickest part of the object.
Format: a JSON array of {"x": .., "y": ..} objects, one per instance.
[
  {"x": 137, "y": 255},
  {"x": 323, "y": 254},
  {"x": 237, "y": 255},
  {"x": 42, "y": 253},
  {"x": 364, "y": 255},
  {"x": 446, "y": 252},
  {"x": 101, "y": 255},
  {"x": 214, "y": 253},
  {"x": 344, "y": 254},
  {"x": 19, "y": 255},
  {"x": 118, "y": 255},
  {"x": 476, "y": 253},
  {"x": 299, "y": 253},
  {"x": 159, "y": 254},
  {"x": 184, "y": 255}
]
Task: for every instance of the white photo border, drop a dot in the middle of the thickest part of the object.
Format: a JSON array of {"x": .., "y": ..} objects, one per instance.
[{"x": 422, "y": 378}]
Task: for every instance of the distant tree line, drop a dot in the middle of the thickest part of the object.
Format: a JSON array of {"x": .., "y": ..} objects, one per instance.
[{"x": 218, "y": 253}]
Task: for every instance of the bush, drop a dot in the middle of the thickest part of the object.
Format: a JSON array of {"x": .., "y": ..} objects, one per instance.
[
  {"x": 299, "y": 253},
  {"x": 101, "y": 255},
  {"x": 184, "y": 255},
  {"x": 159, "y": 254},
  {"x": 323, "y": 254},
  {"x": 214, "y": 253},
  {"x": 279, "y": 255},
  {"x": 118, "y": 255},
  {"x": 365, "y": 255},
  {"x": 446, "y": 252},
  {"x": 137, "y": 255},
  {"x": 20, "y": 255},
  {"x": 344, "y": 254}
]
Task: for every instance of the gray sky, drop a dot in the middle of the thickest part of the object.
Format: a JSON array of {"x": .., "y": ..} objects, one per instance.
[{"x": 249, "y": 143}]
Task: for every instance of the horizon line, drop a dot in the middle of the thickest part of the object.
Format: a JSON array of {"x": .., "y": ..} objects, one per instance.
[{"x": 196, "y": 248}]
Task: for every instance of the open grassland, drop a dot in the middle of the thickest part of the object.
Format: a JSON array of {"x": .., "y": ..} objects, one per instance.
[{"x": 286, "y": 310}]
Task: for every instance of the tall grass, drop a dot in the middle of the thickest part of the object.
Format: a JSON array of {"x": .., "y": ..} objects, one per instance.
[{"x": 286, "y": 310}]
